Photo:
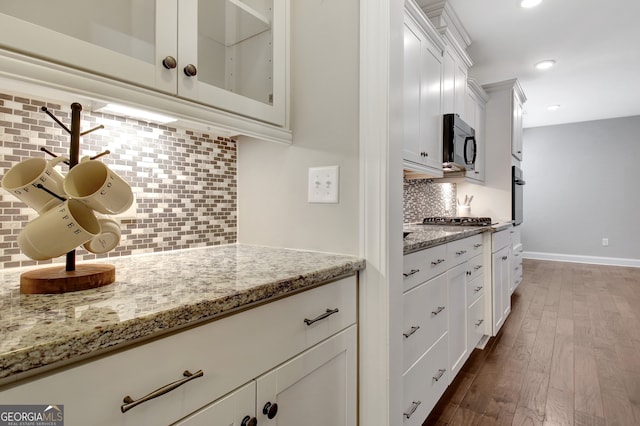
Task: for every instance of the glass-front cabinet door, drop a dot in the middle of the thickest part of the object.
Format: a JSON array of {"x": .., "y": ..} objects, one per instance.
[
  {"x": 229, "y": 54},
  {"x": 119, "y": 39},
  {"x": 232, "y": 55}
]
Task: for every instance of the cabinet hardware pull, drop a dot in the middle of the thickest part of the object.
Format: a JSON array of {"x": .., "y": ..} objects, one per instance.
[
  {"x": 504, "y": 257},
  {"x": 270, "y": 410},
  {"x": 461, "y": 252},
  {"x": 328, "y": 313},
  {"x": 169, "y": 62},
  {"x": 249, "y": 421},
  {"x": 468, "y": 273},
  {"x": 437, "y": 262},
  {"x": 439, "y": 375},
  {"x": 477, "y": 267},
  {"x": 410, "y": 332},
  {"x": 411, "y": 272},
  {"x": 477, "y": 245},
  {"x": 129, "y": 403},
  {"x": 479, "y": 322},
  {"x": 436, "y": 312},
  {"x": 412, "y": 409},
  {"x": 190, "y": 70},
  {"x": 477, "y": 289}
]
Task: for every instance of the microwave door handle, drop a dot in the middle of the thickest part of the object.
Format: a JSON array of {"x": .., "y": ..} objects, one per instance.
[{"x": 475, "y": 149}]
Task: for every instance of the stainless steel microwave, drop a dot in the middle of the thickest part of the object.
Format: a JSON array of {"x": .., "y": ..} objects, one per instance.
[{"x": 459, "y": 144}]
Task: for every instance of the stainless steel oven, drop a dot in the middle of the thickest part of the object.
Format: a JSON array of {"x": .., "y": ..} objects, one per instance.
[{"x": 517, "y": 184}]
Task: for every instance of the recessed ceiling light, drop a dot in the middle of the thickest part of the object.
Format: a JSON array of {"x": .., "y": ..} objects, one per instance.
[
  {"x": 546, "y": 64},
  {"x": 530, "y": 3},
  {"x": 553, "y": 107}
]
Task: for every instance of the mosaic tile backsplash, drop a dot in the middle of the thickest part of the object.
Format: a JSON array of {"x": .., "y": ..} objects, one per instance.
[
  {"x": 184, "y": 181},
  {"x": 424, "y": 198}
]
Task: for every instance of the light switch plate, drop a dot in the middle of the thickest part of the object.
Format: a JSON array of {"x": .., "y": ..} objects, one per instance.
[{"x": 324, "y": 184}]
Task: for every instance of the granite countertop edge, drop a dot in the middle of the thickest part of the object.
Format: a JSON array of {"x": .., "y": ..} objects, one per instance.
[
  {"x": 422, "y": 237},
  {"x": 31, "y": 360}
]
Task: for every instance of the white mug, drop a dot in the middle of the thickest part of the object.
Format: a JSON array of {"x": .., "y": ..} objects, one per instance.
[
  {"x": 58, "y": 231},
  {"x": 109, "y": 236},
  {"x": 99, "y": 187},
  {"x": 22, "y": 180}
]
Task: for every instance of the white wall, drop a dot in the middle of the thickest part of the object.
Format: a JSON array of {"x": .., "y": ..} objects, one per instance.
[
  {"x": 272, "y": 179},
  {"x": 582, "y": 186}
]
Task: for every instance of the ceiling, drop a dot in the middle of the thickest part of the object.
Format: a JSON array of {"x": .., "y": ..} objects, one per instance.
[{"x": 596, "y": 46}]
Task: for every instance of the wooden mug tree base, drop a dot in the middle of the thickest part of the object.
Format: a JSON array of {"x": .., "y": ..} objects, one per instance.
[{"x": 59, "y": 280}]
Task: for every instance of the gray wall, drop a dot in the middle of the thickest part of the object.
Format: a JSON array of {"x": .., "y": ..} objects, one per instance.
[{"x": 583, "y": 186}]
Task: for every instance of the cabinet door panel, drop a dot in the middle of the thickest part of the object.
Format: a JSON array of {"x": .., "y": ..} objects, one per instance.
[
  {"x": 122, "y": 40},
  {"x": 457, "y": 291},
  {"x": 316, "y": 388},
  {"x": 228, "y": 411},
  {"x": 239, "y": 53}
]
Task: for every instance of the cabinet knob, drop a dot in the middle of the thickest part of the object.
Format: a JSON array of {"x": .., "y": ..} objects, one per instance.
[
  {"x": 169, "y": 62},
  {"x": 270, "y": 410},
  {"x": 249, "y": 421},
  {"x": 190, "y": 70}
]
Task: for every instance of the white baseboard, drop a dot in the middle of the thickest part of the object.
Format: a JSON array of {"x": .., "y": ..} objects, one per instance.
[{"x": 595, "y": 260}]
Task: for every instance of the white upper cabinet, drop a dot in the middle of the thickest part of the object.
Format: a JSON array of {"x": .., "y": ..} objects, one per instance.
[
  {"x": 422, "y": 148},
  {"x": 516, "y": 123},
  {"x": 475, "y": 112},
  {"x": 228, "y": 54}
]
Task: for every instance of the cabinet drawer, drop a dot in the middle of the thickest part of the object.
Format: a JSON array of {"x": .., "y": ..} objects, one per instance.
[
  {"x": 476, "y": 323},
  {"x": 500, "y": 239},
  {"x": 425, "y": 318},
  {"x": 475, "y": 266},
  {"x": 515, "y": 235},
  {"x": 423, "y": 265},
  {"x": 475, "y": 289},
  {"x": 460, "y": 251},
  {"x": 425, "y": 383},
  {"x": 230, "y": 352}
]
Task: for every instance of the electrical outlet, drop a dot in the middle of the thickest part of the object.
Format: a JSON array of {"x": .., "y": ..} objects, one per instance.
[
  {"x": 323, "y": 184},
  {"x": 605, "y": 242}
]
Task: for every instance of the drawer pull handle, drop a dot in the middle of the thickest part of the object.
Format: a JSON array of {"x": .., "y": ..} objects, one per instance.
[
  {"x": 504, "y": 257},
  {"x": 411, "y": 272},
  {"x": 477, "y": 289},
  {"x": 437, "y": 262},
  {"x": 477, "y": 245},
  {"x": 412, "y": 409},
  {"x": 475, "y": 268},
  {"x": 129, "y": 403},
  {"x": 461, "y": 252},
  {"x": 439, "y": 375},
  {"x": 436, "y": 312},
  {"x": 410, "y": 332},
  {"x": 328, "y": 313},
  {"x": 479, "y": 322},
  {"x": 469, "y": 273}
]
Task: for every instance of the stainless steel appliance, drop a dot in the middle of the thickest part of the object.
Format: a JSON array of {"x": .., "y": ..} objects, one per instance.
[
  {"x": 517, "y": 184},
  {"x": 459, "y": 144}
]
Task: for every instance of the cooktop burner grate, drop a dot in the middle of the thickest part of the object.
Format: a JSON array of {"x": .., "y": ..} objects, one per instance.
[{"x": 457, "y": 221}]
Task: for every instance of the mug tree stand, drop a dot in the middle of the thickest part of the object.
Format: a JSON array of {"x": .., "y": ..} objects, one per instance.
[{"x": 68, "y": 278}]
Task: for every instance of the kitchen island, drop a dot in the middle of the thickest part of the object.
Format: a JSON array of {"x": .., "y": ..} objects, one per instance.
[{"x": 153, "y": 294}]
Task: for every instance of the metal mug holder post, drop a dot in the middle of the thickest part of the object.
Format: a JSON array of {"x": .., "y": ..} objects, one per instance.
[{"x": 54, "y": 280}]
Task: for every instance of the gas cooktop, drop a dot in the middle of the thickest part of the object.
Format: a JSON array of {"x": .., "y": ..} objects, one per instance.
[{"x": 457, "y": 221}]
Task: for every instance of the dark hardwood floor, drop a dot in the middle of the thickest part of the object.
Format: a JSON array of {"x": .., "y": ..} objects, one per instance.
[{"x": 569, "y": 354}]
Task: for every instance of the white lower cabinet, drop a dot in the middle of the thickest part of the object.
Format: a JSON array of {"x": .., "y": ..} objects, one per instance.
[
  {"x": 305, "y": 341},
  {"x": 316, "y": 388},
  {"x": 425, "y": 383},
  {"x": 501, "y": 277},
  {"x": 440, "y": 314}
]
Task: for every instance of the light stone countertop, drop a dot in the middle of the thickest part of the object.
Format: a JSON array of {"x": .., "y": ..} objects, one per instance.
[
  {"x": 424, "y": 236},
  {"x": 152, "y": 294}
]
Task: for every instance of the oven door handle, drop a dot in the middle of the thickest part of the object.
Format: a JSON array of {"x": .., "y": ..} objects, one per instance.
[{"x": 519, "y": 182}]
